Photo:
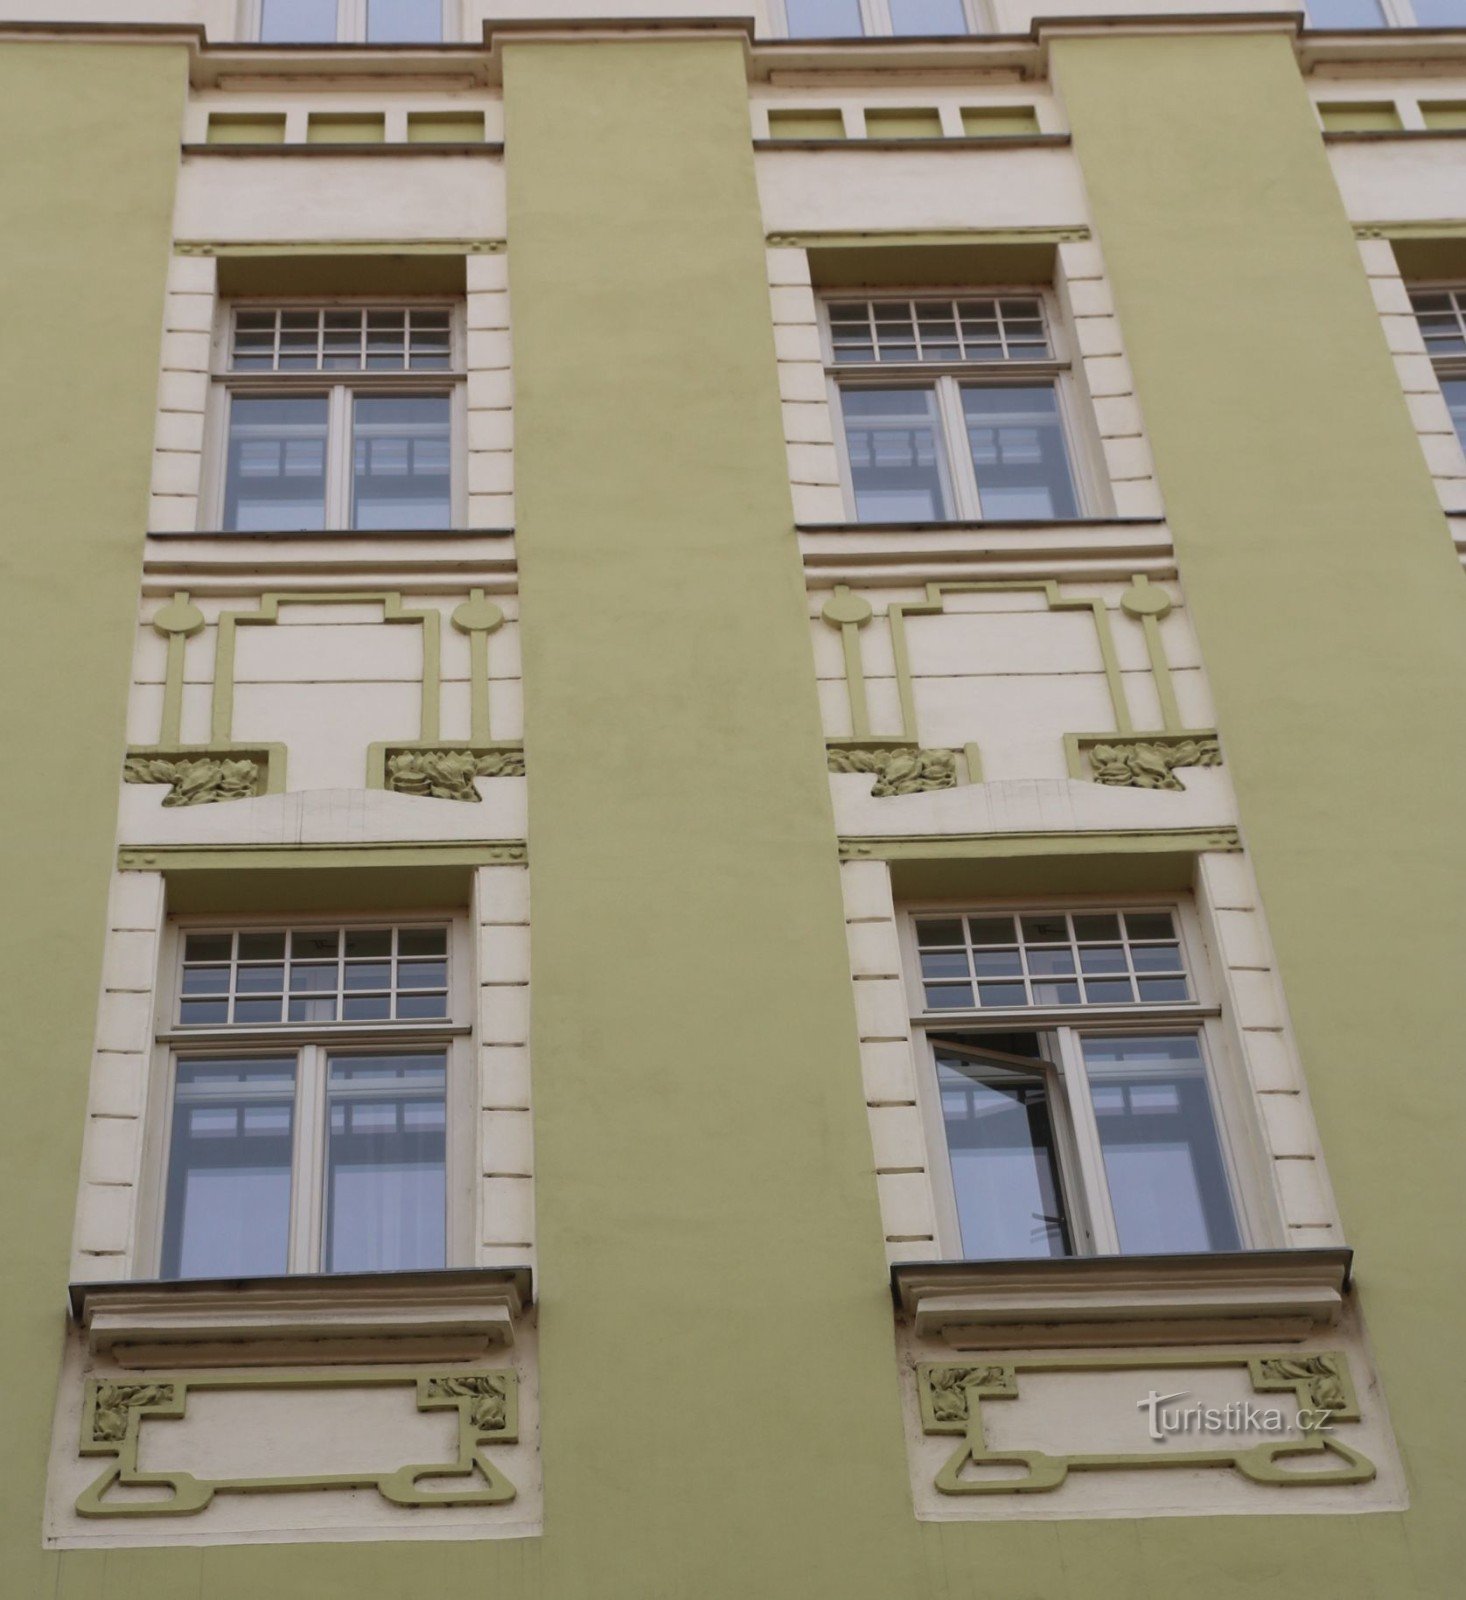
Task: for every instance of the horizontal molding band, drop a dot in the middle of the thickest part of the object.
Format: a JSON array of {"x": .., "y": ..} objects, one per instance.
[
  {"x": 229, "y": 857},
  {"x": 865, "y": 238},
  {"x": 998, "y": 141},
  {"x": 336, "y": 247},
  {"x": 1008, "y": 846},
  {"x": 446, "y": 148}
]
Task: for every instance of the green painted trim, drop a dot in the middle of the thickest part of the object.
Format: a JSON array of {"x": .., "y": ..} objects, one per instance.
[
  {"x": 269, "y": 758},
  {"x": 486, "y": 1405},
  {"x": 255, "y": 857},
  {"x": 393, "y": 610},
  {"x": 338, "y": 247},
  {"x": 503, "y": 758},
  {"x": 1008, "y": 846},
  {"x": 1078, "y": 745},
  {"x": 898, "y": 239},
  {"x": 951, "y": 1396}
]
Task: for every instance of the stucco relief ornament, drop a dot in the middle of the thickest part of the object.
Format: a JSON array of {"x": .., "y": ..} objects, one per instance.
[
  {"x": 449, "y": 774},
  {"x": 116, "y": 1400},
  {"x": 899, "y": 771},
  {"x": 489, "y": 1395},
  {"x": 197, "y": 782},
  {"x": 1326, "y": 1389},
  {"x": 1151, "y": 763}
]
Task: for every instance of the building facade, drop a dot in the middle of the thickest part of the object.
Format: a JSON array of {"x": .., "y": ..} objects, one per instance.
[{"x": 739, "y": 867}]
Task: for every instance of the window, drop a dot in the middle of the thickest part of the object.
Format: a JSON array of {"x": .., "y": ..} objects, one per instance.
[
  {"x": 1070, "y": 1081},
  {"x": 351, "y": 21},
  {"x": 310, "y": 1078},
  {"x": 338, "y": 417},
  {"x": 1387, "y": 13},
  {"x": 1441, "y": 314},
  {"x": 951, "y": 409},
  {"x": 846, "y": 19}
]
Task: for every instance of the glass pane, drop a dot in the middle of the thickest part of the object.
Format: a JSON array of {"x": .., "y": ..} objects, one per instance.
[
  {"x": 1454, "y": 389},
  {"x": 194, "y": 1013},
  {"x": 1004, "y": 1170},
  {"x": 313, "y": 977},
  {"x": 206, "y": 980},
  {"x": 1149, "y": 925},
  {"x": 422, "y": 942},
  {"x": 257, "y": 1010},
  {"x": 298, "y": 21},
  {"x": 227, "y": 1201},
  {"x": 386, "y": 1187},
  {"x": 275, "y": 474},
  {"x": 823, "y": 19},
  {"x": 1018, "y": 452},
  {"x": 997, "y": 963},
  {"x": 1438, "y": 14},
  {"x": 207, "y": 946},
  {"x": 401, "y": 462},
  {"x": 928, "y": 17},
  {"x": 1163, "y": 1157},
  {"x": 314, "y": 944},
  {"x": 261, "y": 946},
  {"x": 368, "y": 974},
  {"x": 422, "y": 974},
  {"x": 1057, "y": 963},
  {"x": 1346, "y": 13},
  {"x": 421, "y": 1007},
  {"x": 1046, "y": 930},
  {"x": 944, "y": 963},
  {"x": 260, "y": 980},
  {"x": 895, "y": 454},
  {"x": 404, "y": 21},
  {"x": 1102, "y": 958},
  {"x": 1099, "y": 926},
  {"x": 944, "y": 997},
  {"x": 992, "y": 930},
  {"x": 943, "y": 931},
  {"x": 366, "y": 1007},
  {"x": 368, "y": 941},
  {"x": 1002, "y": 994}
]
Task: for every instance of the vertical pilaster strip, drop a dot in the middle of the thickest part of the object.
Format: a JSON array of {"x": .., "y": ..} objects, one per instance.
[
  {"x": 707, "y": 1212},
  {"x": 1332, "y": 619}
]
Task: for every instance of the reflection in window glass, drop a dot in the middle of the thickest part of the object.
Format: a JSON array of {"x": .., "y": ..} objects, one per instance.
[
  {"x": 1454, "y": 389},
  {"x": 893, "y": 442},
  {"x": 1347, "y": 13},
  {"x": 401, "y": 462},
  {"x": 298, "y": 21},
  {"x": 1018, "y": 451},
  {"x": 1163, "y": 1157},
  {"x": 275, "y": 473},
  {"x": 1440, "y": 13},
  {"x": 930, "y": 17},
  {"x": 1001, "y": 1146},
  {"x": 404, "y": 21},
  {"x": 227, "y": 1204},
  {"x": 386, "y": 1186},
  {"x": 823, "y": 19}
]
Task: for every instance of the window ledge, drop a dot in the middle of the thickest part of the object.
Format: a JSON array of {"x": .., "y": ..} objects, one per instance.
[
  {"x": 1092, "y": 1301},
  {"x": 453, "y": 1315}
]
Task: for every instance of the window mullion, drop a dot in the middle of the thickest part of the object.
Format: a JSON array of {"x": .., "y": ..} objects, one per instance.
[
  {"x": 339, "y": 446},
  {"x": 967, "y": 502},
  {"x": 1080, "y": 1115},
  {"x": 306, "y": 1209}
]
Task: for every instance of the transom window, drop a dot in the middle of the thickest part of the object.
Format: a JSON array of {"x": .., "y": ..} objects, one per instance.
[
  {"x": 339, "y": 417},
  {"x": 1094, "y": 1135},
  {"x": 1387, "y": 13},
  {"x": 849, "y": 19},
  {"x": 350, "y": 21},
  {"x": 1441, "y": 314},
  {"x": 965, "y": 421},
  {"x": 307, "y": 1123}
]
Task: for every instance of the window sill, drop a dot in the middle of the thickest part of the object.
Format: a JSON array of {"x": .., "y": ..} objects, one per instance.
[
  {"x": 451, "y": 1315},
  {"x": 1096, "y": 1301},
  {"x": 348, "y": 148}
]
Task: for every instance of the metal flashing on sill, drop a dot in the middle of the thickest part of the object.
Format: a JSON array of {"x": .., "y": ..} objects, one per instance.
[
  {"x": 1284, "y": 1294},
  {"x": 476, "y": 148},
  {"x": 980, "y": 526},
  {"x": 1001, "y": 141},
  {"x": 1388, "y": 135},
  {"x": 448, "y": 1314},
  {"x": 332, "y": 534}
]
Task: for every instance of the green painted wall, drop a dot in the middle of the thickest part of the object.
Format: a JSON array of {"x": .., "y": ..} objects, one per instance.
[{"x": 1331, "y": 609}]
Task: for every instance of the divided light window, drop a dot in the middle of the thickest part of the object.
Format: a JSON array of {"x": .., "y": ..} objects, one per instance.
[
  {"x": 849, "y": 19},
  {"x": 950, "y": 408},
  {"x": 1387, "y": 13},
  {"x": 309, "y": 1085},
  {"x": 350, "y": 21},
  {"x": 338, "y": 417},
  {"x": 1441, "y": 314},
  {"x": 1072, "y": 1085}
]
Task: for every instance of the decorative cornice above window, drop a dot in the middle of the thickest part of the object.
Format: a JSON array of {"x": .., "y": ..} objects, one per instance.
[
  {"x": 1096, "y": 1301},
  {"x": 455, "y": 1315}
]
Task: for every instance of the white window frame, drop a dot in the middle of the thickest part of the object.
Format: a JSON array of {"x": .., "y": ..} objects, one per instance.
[
  {"x": 947, "y": 378},
  {"x": 312, "y": 1043},
  {"x": 1448, "y": 368},
  {"x": 340, "y": 386},
  {"x": 351, "y": 23},
  {"x": 1083, "y": 1187},
  {"x": 875, "y": 18},
  {"x": 1397, "y": 14}
]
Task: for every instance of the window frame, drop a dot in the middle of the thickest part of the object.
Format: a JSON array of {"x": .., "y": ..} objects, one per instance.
[
  {"x": 351, "y": 26},
  {"x": 1448, "y": 368},
  {"x": 1396, "y": 14},
  {"x": 946, "y": 379},
  {"x": 341, "y": 387},
  {"x": 1083, "y": 1185},
  {"x": 875, "y": 19},
  {"x": 312, "y": 1044}
]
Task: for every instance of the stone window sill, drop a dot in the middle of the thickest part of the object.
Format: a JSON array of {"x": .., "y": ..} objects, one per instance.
[
  {"x": 453, "y": 1315},
  {"x": 1095, "y": 1301}
]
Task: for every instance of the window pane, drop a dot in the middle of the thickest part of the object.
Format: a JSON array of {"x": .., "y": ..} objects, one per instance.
[
  {"x": 1347, "y": 13},
  {"x": 1163, "y": 1157},
  {"x": 386, "y": 1186},
  {"x": 227, "y": 1204},
  {"x": 823, "y": 19},
  {"x": 1441, "y": 13},
  {"x": 928, "y": 16},
  {"x": 1001, "y": 1147},
  {"x": 401, "y": 462},
  {"x": 1018, "y": 452},
  {"x": 404, "y": 21},
  {"x": 1454, "y": 389},
  {"x": 895, "y": 454},
  {"x": 298, "y": 21},
  {"x": 275, "y": 476}
]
